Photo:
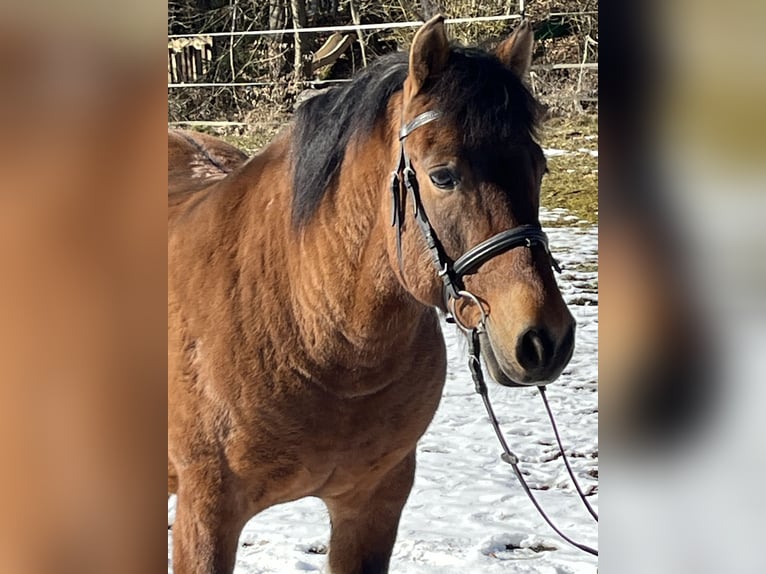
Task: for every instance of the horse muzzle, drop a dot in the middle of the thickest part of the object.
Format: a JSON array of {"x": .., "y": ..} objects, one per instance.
[{"x": 537, "y": 356}]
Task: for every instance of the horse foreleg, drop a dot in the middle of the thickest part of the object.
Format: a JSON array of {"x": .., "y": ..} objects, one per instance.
[
  {"x": 207, "y": 526},
  {"x": 364, "y": 524}
]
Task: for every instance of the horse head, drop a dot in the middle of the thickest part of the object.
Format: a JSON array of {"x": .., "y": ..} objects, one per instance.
[{"x": 471, "y": 170}]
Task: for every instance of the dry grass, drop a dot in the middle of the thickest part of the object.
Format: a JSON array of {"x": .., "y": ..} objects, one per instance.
[
  {"x": 254, "y": 139},
  {"x": 572, "y": 181}
]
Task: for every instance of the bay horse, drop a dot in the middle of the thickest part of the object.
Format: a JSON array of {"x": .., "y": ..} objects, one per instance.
[
  {"x": 196, "y": 160},
  {"x": 305, "y": 350}
]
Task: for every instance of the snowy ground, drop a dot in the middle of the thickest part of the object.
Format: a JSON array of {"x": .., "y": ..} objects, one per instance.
[{"x": 466, "y": 512}]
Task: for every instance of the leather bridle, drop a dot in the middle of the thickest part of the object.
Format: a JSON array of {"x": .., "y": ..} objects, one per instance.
[{"x": 452, "y": 273}]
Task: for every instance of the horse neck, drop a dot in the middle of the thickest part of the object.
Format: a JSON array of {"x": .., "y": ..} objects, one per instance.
[{"x": 348, "y": 289}]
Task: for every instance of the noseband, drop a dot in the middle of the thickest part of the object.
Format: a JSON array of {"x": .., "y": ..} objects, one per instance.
[{"x": 451, "y": 271}]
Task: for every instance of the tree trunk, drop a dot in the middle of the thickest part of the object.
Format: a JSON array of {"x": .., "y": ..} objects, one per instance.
[
  {"x": 359, "y": 34},
  {"x": 276, "y": 48},
  {"x": 302, "y": 70}
]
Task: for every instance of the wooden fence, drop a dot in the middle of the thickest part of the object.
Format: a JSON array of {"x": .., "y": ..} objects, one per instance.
[
  {"x": 189, "y": 59},
  {"x": 191, "y": 56}
]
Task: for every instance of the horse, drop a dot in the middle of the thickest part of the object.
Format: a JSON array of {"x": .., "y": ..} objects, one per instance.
[
  {"x": 196, "y": 160},
  {"x": 305, "y": 351}
]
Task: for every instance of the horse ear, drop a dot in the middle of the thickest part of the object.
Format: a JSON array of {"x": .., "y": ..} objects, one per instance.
[
  {"x": 428, "y": 54},
  {"x": 515, "y": 52}
]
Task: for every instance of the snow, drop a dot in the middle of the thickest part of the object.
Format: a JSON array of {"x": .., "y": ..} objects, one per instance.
[
  {"x": 466, "y": 512},
  {"x": 554, "y": 152}
]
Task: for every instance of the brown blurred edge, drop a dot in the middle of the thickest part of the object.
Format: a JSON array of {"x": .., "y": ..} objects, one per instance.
[{"x": 82, "y": 227}]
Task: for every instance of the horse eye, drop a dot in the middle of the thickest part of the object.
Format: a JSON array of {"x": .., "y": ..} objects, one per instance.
[{"x": 443, "y": 178}]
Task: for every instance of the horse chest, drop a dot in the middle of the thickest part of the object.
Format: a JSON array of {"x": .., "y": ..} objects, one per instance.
[
  {"x": 325, "y": 445},
  {"x": 364, "y": 441}
]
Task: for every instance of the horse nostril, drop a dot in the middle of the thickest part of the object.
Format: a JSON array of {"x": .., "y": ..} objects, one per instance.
[{"x": 534, "y": 349}]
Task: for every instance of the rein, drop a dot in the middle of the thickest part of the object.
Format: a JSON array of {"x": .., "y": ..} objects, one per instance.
[
  {"x": 452, "y": 273},
  {"x": 474, "y": 364}
]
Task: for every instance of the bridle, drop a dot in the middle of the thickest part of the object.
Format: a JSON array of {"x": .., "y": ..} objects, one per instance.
[{"x": 452, "y": 272}]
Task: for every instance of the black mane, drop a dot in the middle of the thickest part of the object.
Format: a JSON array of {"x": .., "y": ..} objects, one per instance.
[{"x": 475, "y": 92}]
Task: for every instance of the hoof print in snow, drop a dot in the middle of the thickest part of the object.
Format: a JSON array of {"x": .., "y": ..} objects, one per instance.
[
  {"x": 514, "y": 547},
  {"x": 551, "y": 457},
  {"x": 317, "y": 549},
  {"x": 539, "y": 547}
]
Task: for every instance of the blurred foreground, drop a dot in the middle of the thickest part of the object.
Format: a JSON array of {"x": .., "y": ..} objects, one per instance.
[
  {"x": 82, "y": 296},
  {"x": 683, "y": 272}
]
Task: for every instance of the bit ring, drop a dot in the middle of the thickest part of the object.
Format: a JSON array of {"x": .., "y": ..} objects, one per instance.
[{"x": 473, "y": 299}]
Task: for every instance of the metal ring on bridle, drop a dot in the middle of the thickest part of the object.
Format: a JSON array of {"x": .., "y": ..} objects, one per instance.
[{"x": 473, "y": 299}]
